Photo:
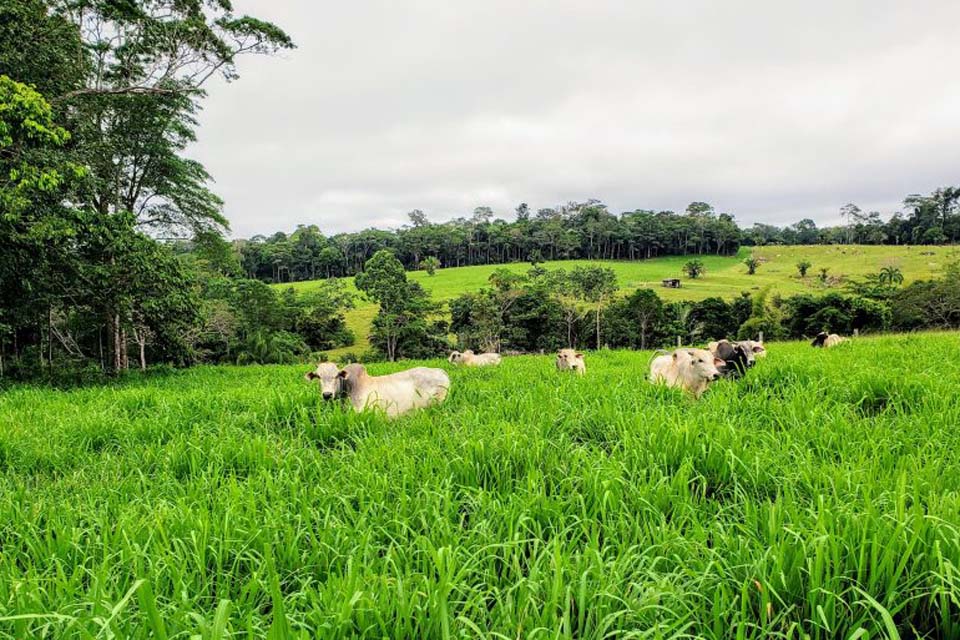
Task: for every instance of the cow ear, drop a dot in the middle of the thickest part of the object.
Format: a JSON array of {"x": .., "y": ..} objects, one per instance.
[
  {"x": 717, "y": 362},
  {"x": 579, "y": 355},
  {"x": 674, "y": 355},
  {"x": 309, "y": 376},
  {"x": 343, "y": 374},
  {"x": 758, "y": 348}
]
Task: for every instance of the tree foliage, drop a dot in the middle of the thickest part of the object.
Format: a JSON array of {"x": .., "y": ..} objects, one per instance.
[
  {"x": 97, "y": 106},
  {"x": 406, "y": 325},
  {"x": 694, "y": 269}
]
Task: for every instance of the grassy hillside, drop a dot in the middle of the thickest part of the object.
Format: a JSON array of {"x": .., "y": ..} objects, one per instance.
[
  {"x": 725, "y": 276},
  {"x": 816, "y": 498}
]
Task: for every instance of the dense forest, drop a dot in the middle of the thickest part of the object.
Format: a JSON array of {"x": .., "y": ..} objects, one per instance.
[
  {"x": 583, "y": 230},
  {"x": 98, "y": 105}
]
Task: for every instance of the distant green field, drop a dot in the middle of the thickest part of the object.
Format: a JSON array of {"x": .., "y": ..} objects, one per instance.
[
  {"x": 817, "y": 498},
  {"x": 725, "y": 276}
]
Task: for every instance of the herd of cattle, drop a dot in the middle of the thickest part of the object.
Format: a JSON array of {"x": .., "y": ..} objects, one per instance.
[{"x": 689, "y": 369}]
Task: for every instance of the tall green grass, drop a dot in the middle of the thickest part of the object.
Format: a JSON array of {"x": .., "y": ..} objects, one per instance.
[{"x": 817, "y": 498}]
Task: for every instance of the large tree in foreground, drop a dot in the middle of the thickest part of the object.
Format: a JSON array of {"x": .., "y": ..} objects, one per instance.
[{"x": 125, "y": 79}]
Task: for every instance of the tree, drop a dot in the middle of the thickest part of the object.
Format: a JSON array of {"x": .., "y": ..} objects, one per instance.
[
  {"x": 402, "y": 325},
  {"x": 418, "y": 218},
  {"x": 134, "y": 113},
  {"x": 430, "y": 264},
  {"x": 752, "y": 264},
  {"x": 714, "y": 317},
  {"x": 694, "y": 269},
  {"x": 595, "y": 285},
  {"x": 851, "y": 213},
  {"x": 928, "y": 304},
  {"x": 126, "y": 80},
  {"x": 803, "y": 266},
  {"x": 824, "y": 274},
  {"x": 643, "y": 310},
  {"x": 38, "y": 231},
  {"x": 890, "y": 276}
]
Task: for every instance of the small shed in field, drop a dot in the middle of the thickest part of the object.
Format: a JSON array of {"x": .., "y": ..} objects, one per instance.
[{"x": 672, "y": 283}]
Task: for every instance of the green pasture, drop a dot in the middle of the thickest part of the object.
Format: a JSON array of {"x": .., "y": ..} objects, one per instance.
[{"x": 817, "y": 498}]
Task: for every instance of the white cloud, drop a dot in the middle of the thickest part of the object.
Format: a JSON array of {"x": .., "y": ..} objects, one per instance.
[{"x": 768, "y": 111}]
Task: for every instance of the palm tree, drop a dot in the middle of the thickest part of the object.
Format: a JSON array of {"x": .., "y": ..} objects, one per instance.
[
  {"x": 890, "y": 277},
  {"x": 694, "y": 269},
  {"x": 752, "y": 264}
]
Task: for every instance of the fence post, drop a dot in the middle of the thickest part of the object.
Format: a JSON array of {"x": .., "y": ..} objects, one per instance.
[
  {"x": 856, "y": 332},
  {"x": 761, "y": 337},
  {"x": 678, "y": 342}
]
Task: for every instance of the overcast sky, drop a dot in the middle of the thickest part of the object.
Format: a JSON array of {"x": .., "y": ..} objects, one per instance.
[{"x": 771, "y": 111}]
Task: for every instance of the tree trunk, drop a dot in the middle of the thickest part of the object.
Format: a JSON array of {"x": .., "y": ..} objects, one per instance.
[
  {"x": 50, "y": 336},
  {"x": 124, "y": 355},
  {"x": 598, "y": 327},
  {"x": 140, "y": 336},
  {"x": 115, "y": 339}
]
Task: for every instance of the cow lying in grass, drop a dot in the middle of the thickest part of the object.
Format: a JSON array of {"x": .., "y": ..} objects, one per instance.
[
  {"x": 394, "y": 394},
  {"x": 470, "y": 359},
  {"x": 689, "y": 369},
  {"x": 826, "y": 340},
  {"x": 570, "y": 360}
]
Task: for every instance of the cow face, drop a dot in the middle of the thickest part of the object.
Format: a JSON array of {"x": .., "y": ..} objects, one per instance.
[
  {"x": 755, "y": 347},
  {"x": 326, "y": 374},
  {"x": 455, "y": 357},
  {"x": 736, "y": 356},
  {"x": 569, "y": 359},
  {"x": 703, "y": 365}
]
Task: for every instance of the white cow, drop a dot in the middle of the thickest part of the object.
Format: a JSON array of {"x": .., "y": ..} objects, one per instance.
[
  {"x": 570, "y": 360},
  {"x": 470, "y": 359},
  {"x": 689, "y": 369},
  {"x": 394, "y": 394}
]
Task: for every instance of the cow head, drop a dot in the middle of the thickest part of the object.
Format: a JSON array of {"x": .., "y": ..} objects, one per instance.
[
  {"x": 327, "y": 373},
  {"x": 819, "y": 340},
  {"x": 455, "y": 357},
  {"x": 736, "y": 358},
  {"x": 756, "y": 347},
  {"x": 702, "y": 364}
]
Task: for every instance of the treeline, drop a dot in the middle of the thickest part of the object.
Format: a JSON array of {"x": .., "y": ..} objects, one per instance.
[
  {"x": 543, "y": 310},
  {"x": 582, "y": 230}
]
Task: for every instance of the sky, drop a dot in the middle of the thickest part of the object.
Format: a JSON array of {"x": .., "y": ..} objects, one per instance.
[{"x": 770, "y": 111}]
